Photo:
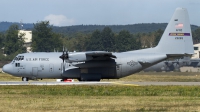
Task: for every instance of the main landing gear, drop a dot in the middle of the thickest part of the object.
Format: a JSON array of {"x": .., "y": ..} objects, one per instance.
[
  {"x": 25, "y": 79},
  {"x": 94, "y": 80}
]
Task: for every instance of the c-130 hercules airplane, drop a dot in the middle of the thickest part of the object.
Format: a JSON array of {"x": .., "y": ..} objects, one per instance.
[{"x": 176, "y": 41}]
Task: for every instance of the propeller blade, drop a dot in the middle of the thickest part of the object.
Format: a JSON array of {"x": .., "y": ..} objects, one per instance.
[
  {"x": 63, "y": 49},
  {"x": 64, "y": 55}
]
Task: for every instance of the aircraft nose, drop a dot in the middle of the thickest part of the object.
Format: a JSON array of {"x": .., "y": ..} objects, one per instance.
[{"x": 7, "y": 68}]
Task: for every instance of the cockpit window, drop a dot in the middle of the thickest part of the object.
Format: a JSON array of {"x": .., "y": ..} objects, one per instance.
[{"x": 19, "y": 58}]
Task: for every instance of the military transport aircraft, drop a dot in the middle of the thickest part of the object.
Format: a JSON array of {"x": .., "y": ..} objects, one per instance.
[
  {"x": 174, "y": 65},
  {"x": 171, "y": 65},
  {"x": 176, "y": 41},
  {"x": 193, "y": 63}
]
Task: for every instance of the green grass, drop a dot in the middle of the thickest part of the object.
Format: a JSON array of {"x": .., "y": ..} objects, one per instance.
[
  {"x": 92, "y": 90},
  {"x": 112, "y": 98},
  {"x": 99, "y": 98}
]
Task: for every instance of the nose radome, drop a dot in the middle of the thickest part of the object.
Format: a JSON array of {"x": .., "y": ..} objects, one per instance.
[{"x": 7, "y": 68}]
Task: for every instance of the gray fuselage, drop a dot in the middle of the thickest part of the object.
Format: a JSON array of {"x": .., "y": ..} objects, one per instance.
[{"x": 49, "y": 65}]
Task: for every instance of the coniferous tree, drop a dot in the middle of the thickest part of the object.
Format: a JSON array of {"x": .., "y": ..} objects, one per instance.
[
  {"x": 158, "y": 35},
  {"x": 2, "y": 39},
  {"x": 123, "y": 41},
  {"x": 95, "y": 42},
  {"x": 196, "y": 36},
  {"x": 13, "y": 42},
  {"x": 44, "y": 39},
  {"x": 107, "y": 38}
]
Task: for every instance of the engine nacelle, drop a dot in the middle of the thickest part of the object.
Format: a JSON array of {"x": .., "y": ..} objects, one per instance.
[{"x": 79, "y": 57}]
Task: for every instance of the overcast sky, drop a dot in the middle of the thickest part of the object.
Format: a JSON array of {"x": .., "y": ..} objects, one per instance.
[{"x": 96, "y": 12}]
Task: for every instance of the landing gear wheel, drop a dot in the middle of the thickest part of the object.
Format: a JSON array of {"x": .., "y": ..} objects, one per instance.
[
  {"x": 24, "y": 78},
  {"x": 82, "y": 80}
]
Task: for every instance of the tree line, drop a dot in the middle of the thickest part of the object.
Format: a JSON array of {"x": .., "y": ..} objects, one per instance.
[
  {"x": 71, "y": 30},
  {"x": 45, "y": 39}
]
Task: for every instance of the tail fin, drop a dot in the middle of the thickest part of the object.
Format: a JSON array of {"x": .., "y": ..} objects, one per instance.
[{"x": 177, "y": 38}]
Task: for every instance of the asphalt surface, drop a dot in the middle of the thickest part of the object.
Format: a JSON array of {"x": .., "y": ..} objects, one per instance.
[{"x": 100, "y": 83}]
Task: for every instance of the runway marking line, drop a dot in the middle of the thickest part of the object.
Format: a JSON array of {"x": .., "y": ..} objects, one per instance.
[{"x": 118, "y": 83}]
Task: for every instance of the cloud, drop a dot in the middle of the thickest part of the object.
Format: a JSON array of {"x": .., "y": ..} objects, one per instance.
[{"x": 59, "y": 20}]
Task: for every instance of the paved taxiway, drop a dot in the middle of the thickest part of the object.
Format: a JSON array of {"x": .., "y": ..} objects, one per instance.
[{"x": 100, "y": 83}]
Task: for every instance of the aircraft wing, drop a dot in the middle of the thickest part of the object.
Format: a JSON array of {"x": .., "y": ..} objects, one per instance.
[{"x": 90, "y": 55}]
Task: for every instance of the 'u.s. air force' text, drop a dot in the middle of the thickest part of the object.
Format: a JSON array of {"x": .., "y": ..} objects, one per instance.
[{"x": 37, "y": 59}]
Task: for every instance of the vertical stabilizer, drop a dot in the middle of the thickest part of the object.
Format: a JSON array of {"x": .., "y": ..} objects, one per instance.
[{"x": 177, "y": 37}]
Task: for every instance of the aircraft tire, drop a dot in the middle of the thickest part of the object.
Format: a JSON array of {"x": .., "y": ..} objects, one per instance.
[
  {"x": 24, "y": 78},
  {"x": 85, "y": 79}
]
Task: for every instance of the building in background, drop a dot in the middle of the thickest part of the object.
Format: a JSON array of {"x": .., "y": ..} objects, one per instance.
[
  {"x": 27, "y": 39},
  {"x": 196, "y": 54}
]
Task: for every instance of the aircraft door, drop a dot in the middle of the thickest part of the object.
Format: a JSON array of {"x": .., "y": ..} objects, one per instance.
[
  {"x": 22, "y": 69},
  {"x": 119, "y": 70},
  {"x": 51, "y": 68},
  {"x": 35, "y": 71}
]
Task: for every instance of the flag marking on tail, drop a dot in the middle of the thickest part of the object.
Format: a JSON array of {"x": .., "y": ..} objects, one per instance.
[{"x": 179, "y": 25}]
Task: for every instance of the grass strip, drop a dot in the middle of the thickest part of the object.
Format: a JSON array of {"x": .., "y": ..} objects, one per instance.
[{"x": 96, "y": 90}]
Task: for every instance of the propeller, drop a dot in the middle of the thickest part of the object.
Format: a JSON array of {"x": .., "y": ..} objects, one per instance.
[
  {"x": 64, "y": 55},
  {"x": 173, "y": 65},
  {"x": 177, "y": 65}
]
